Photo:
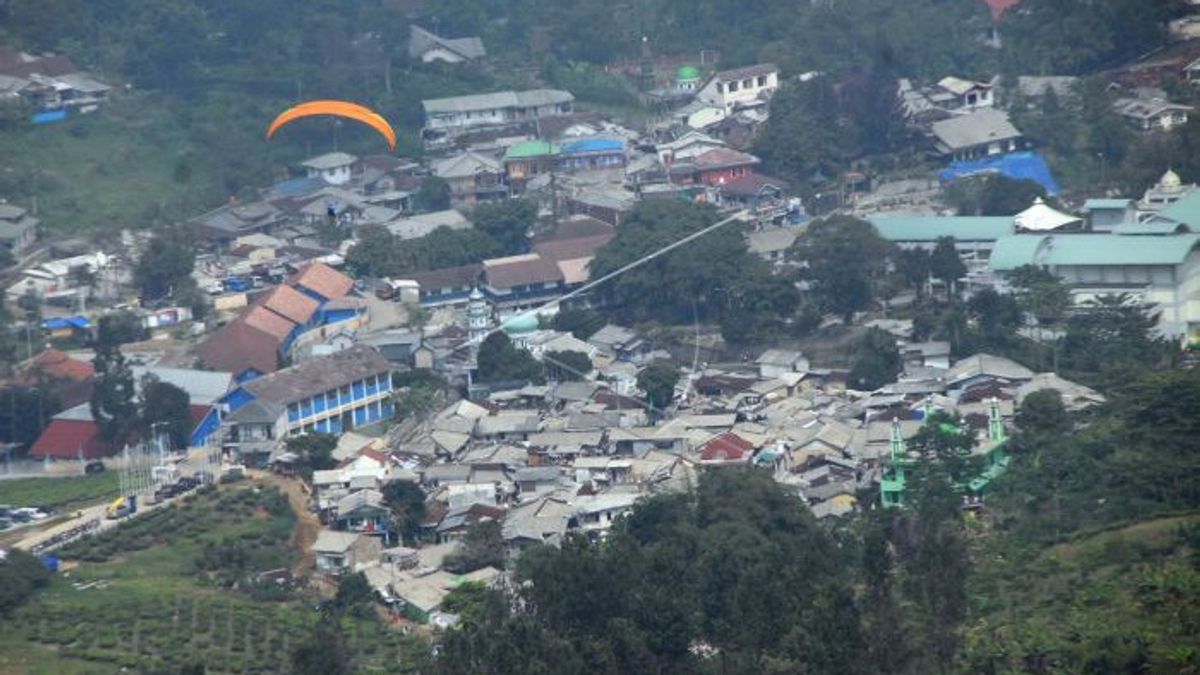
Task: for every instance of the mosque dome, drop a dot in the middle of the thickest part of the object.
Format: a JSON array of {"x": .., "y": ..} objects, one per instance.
[
  {"x": 688, "y": 73},
  {"x": 1170, "y": 179},
  {"x": 521, "y": 324}
]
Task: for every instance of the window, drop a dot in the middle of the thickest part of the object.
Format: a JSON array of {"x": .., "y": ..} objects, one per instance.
[
  {"x": 732, "y": 86},
  {"x": 720, "y": 88},
  {"x": 762, "y": 80},
  {"x": 747, "y": 83}
]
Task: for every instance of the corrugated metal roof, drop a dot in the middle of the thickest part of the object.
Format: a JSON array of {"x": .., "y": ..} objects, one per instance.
[
  {"x": 1014, "y": 251},
  {"x": 930, "y": 228},
  {"x": 528, "y": 149},
  {"x": 1186, "y": 210},
  {"x": 1115, "y": 249}
]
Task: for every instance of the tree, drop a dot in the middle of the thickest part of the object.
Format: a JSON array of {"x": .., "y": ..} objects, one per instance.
[
  {"x": 168, "y": 258},
  {"x": 315, "y": 451},
  {"x": 994, "y": 195},
  {"x": 912, "y": 265},
  {"x": 844, "y": 259},
  {"x": 355, "y": 596},
  {"x": 118, "y": 328},
  {"x": 483, "y": 546},
  {"x": 806, "y": 139},
  {"x": 581, "y": 323},
  {"x": 406, "y": 500},
  {"x": 500, "y": 361},
  {"x": 379, "y": 253},
  {"x": 325, "y": 652},
  {"x": 21, "y": 575},
  {"x": 996, "y": 317},
  {"x": 876, "y": 360},
  {"x": 113, "y": 405},
  {"x": 432, "y": 195},
  {"x": 946, "y": 265},
  {"x": 508, "y": 222},
  {"x": 567, "y": 365},
  {"x": 31, "y": 304},
  {"x": 166, "y": 404},
  {"x": 658, "y": 381},
  {"x": 1111, "y": 340},
  {"x": 1042, "y": 412}
]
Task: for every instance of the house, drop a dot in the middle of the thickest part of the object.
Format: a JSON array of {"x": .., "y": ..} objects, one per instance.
[
  {"x": 934, "y": 354},
  {"x": 618, "y": 342},
  {"x": 1152, "y": 112},
  {"x": 513, "y": 425},
  {"x": 334, "y": 168},
  {"x": 957, "y": 94},
  {"x": 226, "y": 223},
  {"x": 330, "y": 394},
  {"x": 772, "y": 244},
  {"x": 248, "y": 346},
  {"x": 71, "y": 435},
  {"x": 339, "y": 552},
  {"x": 56, "y": 278},
  {"x": 1075, "y": 396},
  {"x": 429, "y": 47},
  {"x": 18, "y": 229},
  {"x": 522, "y": 280},
  {"x": 51, "y": 84},
  {"x": 450, "y": 116},
  {"x": 527, "y": 159},
  {"x": 687, "y": 146},
  {"x": 982, "y": 133},
  {"x": 536, "y": 479},
  {"x": 714, "y": 167},
  {"x": 751, "y": 86},
  {"x": 1102, "y": 215},
  {"x": 777, "y": 362},
  {"x": 70, "y": 379},
  {"x": 322, "y": 282},
  {"x": 363, "y": 511},
  {"x": 726, "y": 449},
  {"x": 762, "y": 196},
  {"x": 984, "y": 369},
  {"x": 448, "y": 285},
  {"x": 473, "y": 177}
]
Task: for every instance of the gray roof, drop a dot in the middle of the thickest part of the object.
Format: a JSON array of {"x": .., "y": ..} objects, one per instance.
[
  {"x": 330, "y": 160},
  {"x": 537, "y": 474},
  {"x": 771, "y": 241},
  {"x": 329, "y": 541},
  {"x": 747, "y": 71},
  {"x": 421, "y": 41},
  {"x": 1037, "y": 85},
  {"x": 202, "y": 386},
  {"x": 988, "y": 364},
  {"x": 978, "y": 128},
  {"x": 1147, "y": 108},
  {"x": 318, "y": 375},
  {"x": 257, "y": 412},
  {"x": 496, "y": 100},
  {"x": 418, "y": 226},
  {"x": 465, "y": 165},
  {"x": 507, "y": 423},
  {"x": 10, "y": 211},
  {"x": 10, "y": 229}
]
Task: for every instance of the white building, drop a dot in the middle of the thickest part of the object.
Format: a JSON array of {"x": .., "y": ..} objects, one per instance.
[
  {"x": 458, "y": 113},
  {"x": 741, "y": 87},
  {"x": 334, "y": 168}
]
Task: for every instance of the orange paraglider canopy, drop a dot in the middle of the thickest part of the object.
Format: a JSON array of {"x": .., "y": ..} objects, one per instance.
[{"x": 345, "y": 109}]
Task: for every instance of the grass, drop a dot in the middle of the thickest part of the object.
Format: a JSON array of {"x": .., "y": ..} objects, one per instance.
[
  {"x": 61, "y": 493},
  {"x": 177, "y": 592}
]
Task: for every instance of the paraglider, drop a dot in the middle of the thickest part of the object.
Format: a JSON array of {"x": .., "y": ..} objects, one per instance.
[{"x": 345, "y": 109}]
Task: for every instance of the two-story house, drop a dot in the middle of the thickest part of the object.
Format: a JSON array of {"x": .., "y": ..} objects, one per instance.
[{"x": 745, "y": 87}]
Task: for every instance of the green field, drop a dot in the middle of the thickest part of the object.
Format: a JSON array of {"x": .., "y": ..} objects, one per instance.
[
  {"x": 178, "y": 589},
  {"x": 60, "y": 493}
]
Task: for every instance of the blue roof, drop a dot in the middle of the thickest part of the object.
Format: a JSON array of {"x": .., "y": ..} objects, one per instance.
[
  {"x": 1092, "y": 250},
  {"x": 1024, "y": 165},
  {"x": 61, "y": 322},
  {"x": 593, "y": 145}
]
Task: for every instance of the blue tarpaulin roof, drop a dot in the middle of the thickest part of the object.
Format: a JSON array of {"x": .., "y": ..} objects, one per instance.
[
  {"x": 61, "y": 322},
  {"x": 1019, "y": 165},
  {"x": 592, "y": 145}
]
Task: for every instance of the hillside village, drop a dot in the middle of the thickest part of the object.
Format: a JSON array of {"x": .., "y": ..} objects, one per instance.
[{"x": 291, "y": 345}]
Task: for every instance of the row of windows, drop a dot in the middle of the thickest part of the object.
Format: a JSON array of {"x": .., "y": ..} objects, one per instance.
[
  {"x": 748, "y": 83},
  {"x": 368, "y": 386},
  {"x": 363, "y": 415}
]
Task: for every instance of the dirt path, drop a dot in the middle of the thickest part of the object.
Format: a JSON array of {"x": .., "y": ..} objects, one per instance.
[{"x": 307, "y": 523}]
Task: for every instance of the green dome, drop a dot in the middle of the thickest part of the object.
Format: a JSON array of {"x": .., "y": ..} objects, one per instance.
[
  {"x": 521, "y": 324},
  {"x": 688, "y": 73}
]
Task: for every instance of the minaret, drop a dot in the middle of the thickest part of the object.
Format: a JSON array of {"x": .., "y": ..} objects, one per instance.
[
  {"x": 479, "y": 320},
  {"x": 996, "y": 432},
  {"x": 896, "y": 442}
]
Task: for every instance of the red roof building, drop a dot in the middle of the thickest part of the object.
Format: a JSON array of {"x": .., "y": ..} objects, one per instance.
[
  {"x": 56, "y": 365},
  {"x": 999, "y": 7},
  {"x": 70, "y": 439},
  {"x": 323, "y": 280},
  {"x": 239, "y": 347},
  {"x": 290, "y": 304},
  {"x": 728, "y": 448}
]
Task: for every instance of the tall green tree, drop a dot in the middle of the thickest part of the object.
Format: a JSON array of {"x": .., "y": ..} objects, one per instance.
[
  {"x": 165, "y": 404},
  {"x": 168, "y": 259},
  {"x": 946, "y": 265},
  {"x": 315, "y": 452},
  {"x": 567, "y": 365},
  {"x": 1112, "y": 339},
  {"x": 432, "y": 195},
  {"x": 113, "y": 402},
  {"x": 508, "y": 222},
  {"x": 500, "y": 360},
  {"x": 406, "y": 500},
  {"x": 658, "y": 381},
  {"x": 844, "y": 260},
  {"x": 876, "y": 360}
]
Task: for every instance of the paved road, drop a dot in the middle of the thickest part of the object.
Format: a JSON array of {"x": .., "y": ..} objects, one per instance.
[{"x": 197, "y": 460}]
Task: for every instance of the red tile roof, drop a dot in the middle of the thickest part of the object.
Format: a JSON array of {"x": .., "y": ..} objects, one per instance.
[
  {"x": 58, "y": 365},
  {"x": 570, "y": 249},
  {"x": 268, "y": 322},
  {"x": 323, "y": 280},
  {"x": 727, "y": 447},
  {"x": 67, "y": 439},
  {"x": 578, "y": 225},
  {"x": 520, "y": 270},
  {"x": 13, "y": 65},
  {"x": 240, "y": 346},
  {"x": 998, "y": 7},
  {"x": 290, "y": 304}
]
